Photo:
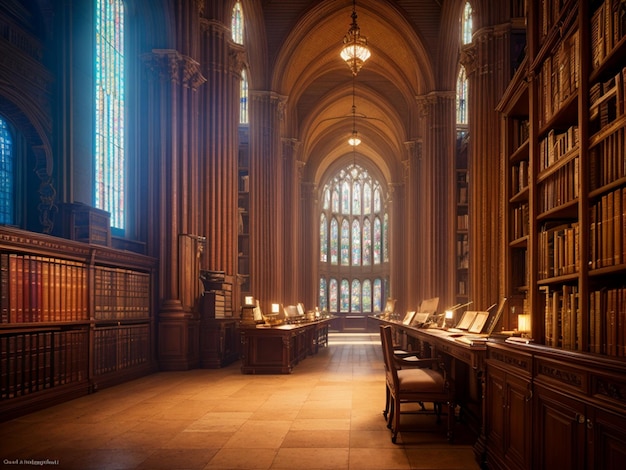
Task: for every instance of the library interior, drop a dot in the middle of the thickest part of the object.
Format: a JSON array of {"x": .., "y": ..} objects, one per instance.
[{"x": 250, "y": 224}]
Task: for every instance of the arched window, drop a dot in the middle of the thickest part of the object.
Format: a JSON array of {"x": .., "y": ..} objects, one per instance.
[
  {"x": 110, "y": 166},
  {"x": 237, "y": 23},
  {"x": 461, "y": 97},
  {"x": 353, "y": 241},
  {"x": 243, "y": 98},
  {"x": 466, "y": 24},
  {"x": 7, "y": 175}
]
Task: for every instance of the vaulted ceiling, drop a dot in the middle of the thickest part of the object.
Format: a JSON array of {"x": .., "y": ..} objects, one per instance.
[{"x": 414, "y": 47}]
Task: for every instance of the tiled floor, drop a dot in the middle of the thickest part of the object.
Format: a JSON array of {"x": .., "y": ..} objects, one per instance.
[{"x": 326, "y": 415}]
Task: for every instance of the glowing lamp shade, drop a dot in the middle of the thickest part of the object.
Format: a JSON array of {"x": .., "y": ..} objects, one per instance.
[
  {"x": 523, "y": 323},
  {"x": 275, "y": 308},
  {"x": 248, "y": 300}
]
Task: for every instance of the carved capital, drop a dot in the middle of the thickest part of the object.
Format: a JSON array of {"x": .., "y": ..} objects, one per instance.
[
  {"x": 170, "y": 65},
  {"x": 468, "y": 58}
]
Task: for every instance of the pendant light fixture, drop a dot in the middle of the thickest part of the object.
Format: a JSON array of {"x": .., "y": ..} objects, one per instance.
[{"x": 355, "y": 51}]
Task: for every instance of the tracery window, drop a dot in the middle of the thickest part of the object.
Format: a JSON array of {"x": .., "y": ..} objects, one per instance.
[
  {"x": 7, "y": 175},
  {"x": 461, "y": 97},
  {"x": 110, "y": 165},
  {"x": 466, "y": 24},
  {"x": 237, "y": 23},
  {"x": 354, "y": 247},
  {"x": 243, "y": 98}
]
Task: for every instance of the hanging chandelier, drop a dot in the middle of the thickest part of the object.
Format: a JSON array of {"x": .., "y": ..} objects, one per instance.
[
  {"x": 355, "y": 51},
  {"x": 354, "y": 139}
]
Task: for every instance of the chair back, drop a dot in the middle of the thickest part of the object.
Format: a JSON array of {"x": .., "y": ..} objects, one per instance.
[{"x": 391, "y": 368}]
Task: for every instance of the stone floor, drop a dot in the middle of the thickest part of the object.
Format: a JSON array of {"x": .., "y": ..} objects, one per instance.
[{"x": 325, "y": 415}]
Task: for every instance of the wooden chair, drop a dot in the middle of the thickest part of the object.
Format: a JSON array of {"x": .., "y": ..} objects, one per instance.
[{"x": 414, "y": 385}]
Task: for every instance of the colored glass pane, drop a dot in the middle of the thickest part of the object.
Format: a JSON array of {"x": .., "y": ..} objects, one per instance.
[
  {"x": 461, "y": 97},
  {"x": 243, "y": 98},
  {"x": 356, "y": 296},
  {"x": 377, "y": 241},
  {"x": 109, "y": 161},
  {"x": 326, "y": 204},
  {"x": 323, "y": 239},
  {"x": 323, "y": 299},
  {"x": 345, "y": 296},
  {"x": 345, "y": 242},
  {"x": 335, "y": 208},
  {"x": 345, "y": 198},
  {"x": 356, "y": 243},
  {"x": 237, "y": 23},
  {"x": 466, "y": 25},
  {"x": 386, "y": 238},
  {"x": 333, "y": 298},
  {"x": 377, "y": 202},
  {"x": 367, "y": 242},
  {"x": 366, "y": 295},
  {"x": 334, "y": 241},
  {"x": 6, "y": 175},
  {"x": 378, "y": 295},
  {"x": 367, "y": 199},
  {"x": 356, "y": 198}
]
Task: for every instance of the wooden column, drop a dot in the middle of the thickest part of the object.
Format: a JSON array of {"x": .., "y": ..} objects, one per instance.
[
  {"x": 487, "y": 62},
  {"x": 310, "y": 251},
  {"x": 173, "y": 92},
  {"x": 222, "y": 61},
  {"x": 267, "y": 203},
  {"x": 437, "y": 179}
]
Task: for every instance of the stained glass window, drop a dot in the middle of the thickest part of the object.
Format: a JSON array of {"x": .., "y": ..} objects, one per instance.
[
  {"x": 377, "y": 241},
  {"x": 352, "y": 235},
  {"x": 356, "y": 243},
  {"x": 333, "y": 295},
  {"x": 367, "y": 242},
  {"x": 378, "y": 296},
  {"x": 386, "y": 238},
  {"x": 243, "y": 98},
  {"x": 323, "y": 301},
  {"x": 466, "y": 25},
  {"x": 461, "y": 97},
  {"x": 110, "y": 168},
  {"x": 367, "y": 295},
  {"x": 345, "y": 242},
  {"x": 237, "y": 23},
  {"x": 345, "y": 295},
  {"x": 7, "y": 175},
  {"x": 334, "y": 241},
  {"x": 323, "y": 239},
  {"x": 356, "y": 296}
]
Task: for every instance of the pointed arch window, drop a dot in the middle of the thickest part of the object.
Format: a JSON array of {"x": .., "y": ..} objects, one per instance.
[
  {"x": 243, "y": 98},
  {"x": 466, "y": 24},
  {"x": 237, "y": 23},
  {"x": 7, "y": 175},
  {"x": 110, "y": 165},
  {"x": 461, "y": 97},
  {"x": 353, "y": 241}
]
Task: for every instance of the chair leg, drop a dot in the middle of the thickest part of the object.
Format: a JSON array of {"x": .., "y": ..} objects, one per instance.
[
  {"x": 386, "y": 410},
  {"x": 390, "y": 414},
  {"x": 396, "y": 421},
  {"x": 451, "y": 420}
]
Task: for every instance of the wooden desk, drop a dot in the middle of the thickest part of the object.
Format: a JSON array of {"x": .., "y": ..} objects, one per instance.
[
  {"x": 276, "y": 350},
  {"x": 465, "y": 364}
]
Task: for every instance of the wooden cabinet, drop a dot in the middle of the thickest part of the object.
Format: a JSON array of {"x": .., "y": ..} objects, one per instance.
[
  {"x": 508, "y": 420},
  {"x": 219, "y": 342},
  {"x": 75, "y": 317}
]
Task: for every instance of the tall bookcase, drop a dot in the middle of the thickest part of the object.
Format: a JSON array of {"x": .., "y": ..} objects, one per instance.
[
  {"x": 243, "y": 236},
  {"x": 74, "y": 317},
  {"x": 565, "y": 217},
  {"x": 462, "y": 218}
]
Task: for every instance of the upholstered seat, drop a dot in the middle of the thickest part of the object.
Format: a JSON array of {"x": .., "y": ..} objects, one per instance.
[{"x": 414, "y": 385}]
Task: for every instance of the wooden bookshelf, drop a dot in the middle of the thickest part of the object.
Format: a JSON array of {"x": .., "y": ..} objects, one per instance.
[
  {"x": 243, "y": 237},
  {"x": 75, "y": 317},
  {"x": 462, "y": 219},
  {"x": 565, "y": 412}
]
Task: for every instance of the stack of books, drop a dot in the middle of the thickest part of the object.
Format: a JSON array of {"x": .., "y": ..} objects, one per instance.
[{"x": 218, "y": 294}]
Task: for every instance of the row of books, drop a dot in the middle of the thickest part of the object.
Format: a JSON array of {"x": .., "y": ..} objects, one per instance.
[
  {"x": 462, "y": 193},
  {"x": 606, "y": 101},
  {"x": 121, "y": 294},
  {"x": 41, "y": 289},
  {"x": 556, "y": 145},
  {"x": 608, "y": 159},
  {"x": 607, "y": 322},
  {"x": 559, "y": 78},
  {"x": 550, "y": 13},
  {"x": 561, "y": 187},
  {"x": 34, "y": 361},
  {"x": 520, "y": 221},
  {"x": 462, "y": 251},
  {"x": 563, "y": 322},
  {"x": 119, "y": 348},
  {"x": 608, "y": 27},
  {"x": 607, "y": 239},
  {"x": 558, "y": 253},
  {"x": 520, "y": 132},
  {"x": 462, "y": 222},
  {"x": 519, "y": 177}
]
